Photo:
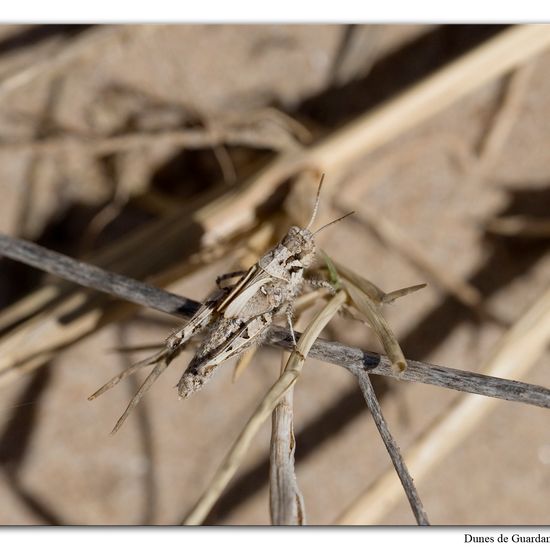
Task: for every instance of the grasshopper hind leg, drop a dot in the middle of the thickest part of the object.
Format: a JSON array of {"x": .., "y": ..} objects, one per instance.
[
  {"x": 216, "y": 351},
  {"x": 200, "y": 370},
  {"x": 194, "y": 377}
]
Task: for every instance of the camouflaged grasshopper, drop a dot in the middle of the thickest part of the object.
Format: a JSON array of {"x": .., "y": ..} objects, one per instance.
[{"x": 236, "y": 316}]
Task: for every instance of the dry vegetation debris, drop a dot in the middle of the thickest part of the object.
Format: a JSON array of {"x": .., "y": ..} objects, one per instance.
[{"x": 164, "y": 172}]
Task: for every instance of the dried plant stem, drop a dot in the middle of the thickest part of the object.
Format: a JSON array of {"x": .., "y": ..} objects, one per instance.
[
  {"x": 264, "y": 409},
  {"x": 393, "y": 449},
  {"x": 380, "y": 326},
  {"x": 87, "y": 275},
  {"x": 286, "y": 500},
  {"x": 356, "y": 360},
  {"x": 367, "y": 298},
  {"x": 353, "y": 359},
  {"x": 516, "y": 352}
]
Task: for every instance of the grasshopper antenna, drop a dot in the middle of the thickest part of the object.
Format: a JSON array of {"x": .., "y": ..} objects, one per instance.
[
  {"x": 316, "y": 207},
  {"x": 333, "y": 222}
]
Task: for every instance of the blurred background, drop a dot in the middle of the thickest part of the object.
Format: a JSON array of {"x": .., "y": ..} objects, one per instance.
[{"x": 175, "y": 153}]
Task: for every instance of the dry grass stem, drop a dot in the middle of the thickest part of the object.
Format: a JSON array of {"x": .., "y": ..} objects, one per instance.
[
  {"x": 517, "y": 351},
  {"x": 390, "y": 297},
  {"x": 367, "y": 299},
  {"x": 374, "y": 293},
  {"x": 264, "y": 409},
  {"x": 383, "y": 331},
  {"x": 393, "y": 449},
  {"x": 286, "y": 500}
]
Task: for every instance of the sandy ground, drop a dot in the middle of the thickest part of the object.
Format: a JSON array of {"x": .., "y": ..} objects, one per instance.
[{"x": 59, "y": 464}]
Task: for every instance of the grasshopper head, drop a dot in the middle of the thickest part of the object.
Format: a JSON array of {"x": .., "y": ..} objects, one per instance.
[{"x": 301, "y": 245}]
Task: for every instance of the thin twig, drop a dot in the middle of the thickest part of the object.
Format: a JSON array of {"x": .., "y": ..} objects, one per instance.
[
  {"x": 94, "y": 277},
  {"x": 516, "y": 352},
  {"x": 393, "y": 449},
  {"x": 353, "y": 359}
]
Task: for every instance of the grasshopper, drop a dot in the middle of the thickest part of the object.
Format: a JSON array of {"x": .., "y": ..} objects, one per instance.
[{"x": 235, "y": 317}]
